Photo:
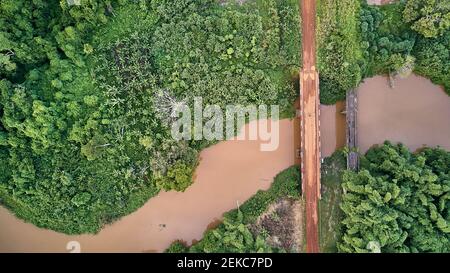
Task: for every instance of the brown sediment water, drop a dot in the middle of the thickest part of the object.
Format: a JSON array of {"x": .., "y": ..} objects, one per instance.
[
  {"x": 416, "y": 112},
  {"x": 229, "y": 173},
  {"x": 332, "y": 128}
]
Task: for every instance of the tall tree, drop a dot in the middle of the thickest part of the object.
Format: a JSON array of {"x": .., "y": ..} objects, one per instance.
[
  {"x": 431, "y": 18},
  {"x": 399, "y": 201}
]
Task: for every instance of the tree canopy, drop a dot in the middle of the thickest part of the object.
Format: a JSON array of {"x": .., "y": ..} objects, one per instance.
[
  {"x": 431, "y": 18},
  {"x": 82, "y": 138},
  {"x": 357, "y": 40},
  {"x": 397, "y": 202}
]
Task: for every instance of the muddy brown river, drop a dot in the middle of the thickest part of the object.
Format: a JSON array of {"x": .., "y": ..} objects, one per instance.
[
  {"x": 229, "y": 173},
  {"x": 332, "y": 128},
  {"x": 416, "y": 112}
]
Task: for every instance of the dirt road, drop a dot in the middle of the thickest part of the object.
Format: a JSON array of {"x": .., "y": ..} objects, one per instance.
[{"x": 309, "y": 105}]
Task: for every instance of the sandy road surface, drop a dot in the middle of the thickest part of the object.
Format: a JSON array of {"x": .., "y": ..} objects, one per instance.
[{"x": 309, "y": 98}]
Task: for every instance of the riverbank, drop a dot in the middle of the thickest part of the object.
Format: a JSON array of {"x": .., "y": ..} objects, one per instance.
[{"x": 229, "y": 173}]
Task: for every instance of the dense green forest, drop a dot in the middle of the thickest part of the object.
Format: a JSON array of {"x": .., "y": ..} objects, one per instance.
[
  {"x": 356, "y": 41},
  {"x": 86, "y": 92},
  {"x": 235, "y": 235},
  {"x": 397, "y": 202},
  {"x": 339, "y": 53}
]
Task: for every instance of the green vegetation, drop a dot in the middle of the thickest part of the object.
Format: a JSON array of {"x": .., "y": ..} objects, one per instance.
[
  {"x": 433, "y": 59},
  {"x": 431, "y": 18},
  {"x": 234, "y": 235},
  {"x": 339, "y": 53},
  {"x": 330, "y": 214},
  {"x": 392, "y": 46},
  {"x": 397, "y": 202},
  {"x": 356, "y": 41},
  {"x": 386, "y": 41},
  {"x": 86, "y": 92}
]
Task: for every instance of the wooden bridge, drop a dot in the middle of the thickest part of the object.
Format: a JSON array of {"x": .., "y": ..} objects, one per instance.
[{"x": 351, "y": 111}]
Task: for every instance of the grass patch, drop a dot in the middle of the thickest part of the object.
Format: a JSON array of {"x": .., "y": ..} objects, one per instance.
[
  {"x": 330, "y": 214},
  {"x": 339, "y": 50}
]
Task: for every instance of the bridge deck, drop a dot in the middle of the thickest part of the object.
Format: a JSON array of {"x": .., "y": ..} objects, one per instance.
[{"x": 309, "y": 106}]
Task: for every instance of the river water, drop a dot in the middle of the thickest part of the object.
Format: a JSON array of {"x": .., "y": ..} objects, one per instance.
[
  {"x": 416, "y": 112},
  {"x": 229, "y": 173},
  {"x": 332, "y": 128}
]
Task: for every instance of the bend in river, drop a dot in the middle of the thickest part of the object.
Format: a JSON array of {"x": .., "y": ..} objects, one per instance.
[
  {"x": 416, "y": 113},
  {"x": 229, "y": 173}
]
